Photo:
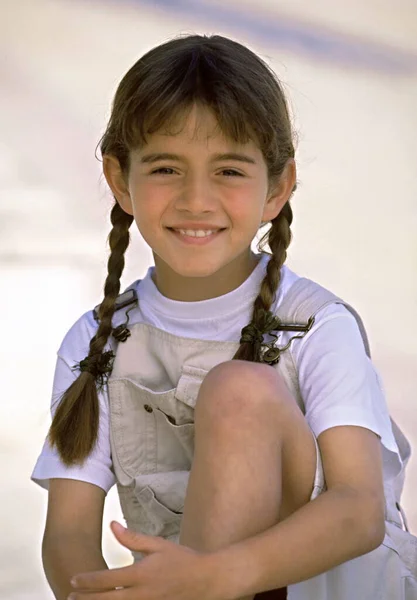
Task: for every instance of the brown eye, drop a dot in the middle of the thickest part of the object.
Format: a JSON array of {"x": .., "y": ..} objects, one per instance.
[
  {"x": 163, "y": 171},
  {"x": 231, "y": 173}
]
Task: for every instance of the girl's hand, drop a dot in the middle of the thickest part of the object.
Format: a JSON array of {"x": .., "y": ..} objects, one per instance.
[{"x": 168, "y": 572}]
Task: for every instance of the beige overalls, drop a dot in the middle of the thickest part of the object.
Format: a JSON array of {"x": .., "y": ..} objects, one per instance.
[{"x": 153, "y": 391}]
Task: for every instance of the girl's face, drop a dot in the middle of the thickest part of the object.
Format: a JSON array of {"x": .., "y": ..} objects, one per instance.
[{"x": 201, "y": 181}]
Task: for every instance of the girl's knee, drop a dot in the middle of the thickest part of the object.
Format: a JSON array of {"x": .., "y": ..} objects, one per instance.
[{"x": 241, "y": 385}]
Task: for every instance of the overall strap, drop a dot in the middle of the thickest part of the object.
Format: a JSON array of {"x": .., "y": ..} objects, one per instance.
[
  {"x": 305, "y": 299},
  {"x": 128, "y": 298}
]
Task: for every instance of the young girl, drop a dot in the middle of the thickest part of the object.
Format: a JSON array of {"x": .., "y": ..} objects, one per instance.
[{"x": 233, "y": 402}]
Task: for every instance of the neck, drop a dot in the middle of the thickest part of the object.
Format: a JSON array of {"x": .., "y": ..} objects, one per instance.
[{"x": 194, "y": 289}]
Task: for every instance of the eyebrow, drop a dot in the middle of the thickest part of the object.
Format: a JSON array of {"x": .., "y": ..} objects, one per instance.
[{"x": 157, "y": 156}]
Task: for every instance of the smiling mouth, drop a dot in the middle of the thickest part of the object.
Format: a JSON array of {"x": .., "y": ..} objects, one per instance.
[
  {"x": 204, "y": 232},
  {"x": 196, "y": 239}
]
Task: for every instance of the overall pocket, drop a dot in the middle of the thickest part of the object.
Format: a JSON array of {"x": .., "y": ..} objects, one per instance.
[
  {"x": 153, "y": 504},
  {"x": 153, "y": 431}
]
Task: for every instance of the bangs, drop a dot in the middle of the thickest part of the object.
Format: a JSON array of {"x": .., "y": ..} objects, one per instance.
[
  {"x": 214, "y": 72},
  {"x": 200, "y": 75},
  {"x": 172, "y": 122}
]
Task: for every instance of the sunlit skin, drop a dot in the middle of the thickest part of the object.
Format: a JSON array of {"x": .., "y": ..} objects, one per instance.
[{"x": 198, "y": 184}]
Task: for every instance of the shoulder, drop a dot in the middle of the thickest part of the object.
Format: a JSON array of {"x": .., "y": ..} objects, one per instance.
[
  {"x": 300, "y": 296},
  {"x": 76, "y": 341},
  {"x": 302, "y": 300},
  {"x": 335, "y": 331},
  {"x": 332, "y": 358}
]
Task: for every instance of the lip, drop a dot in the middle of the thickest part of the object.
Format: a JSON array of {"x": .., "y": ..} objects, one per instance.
[{"x": 197, "y": 226}]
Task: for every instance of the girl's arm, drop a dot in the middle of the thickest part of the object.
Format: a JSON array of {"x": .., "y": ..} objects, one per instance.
[
  {"x": 73, "y": 532},
  {"x": 344, "y": 522}
]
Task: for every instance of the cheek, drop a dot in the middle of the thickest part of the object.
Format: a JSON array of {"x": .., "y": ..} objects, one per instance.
[
  {"x": 148, "y": 202},
  {"x": 247, "y": 203}
]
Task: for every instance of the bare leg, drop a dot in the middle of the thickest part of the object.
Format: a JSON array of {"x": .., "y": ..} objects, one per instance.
[{"x": 235, "y": 485}]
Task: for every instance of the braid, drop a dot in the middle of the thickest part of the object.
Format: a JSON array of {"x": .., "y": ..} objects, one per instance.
[
  {"x": 74, "y": 428},
  {"x": 278, "y": 238},
  {"x": 118, "y": 240}
]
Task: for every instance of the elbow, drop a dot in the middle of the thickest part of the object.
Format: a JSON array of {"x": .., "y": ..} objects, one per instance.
[
  {"x": 364, "y": 521},
  {"x": 372, "y": 525},
  {"x": 376, "y": 533}
]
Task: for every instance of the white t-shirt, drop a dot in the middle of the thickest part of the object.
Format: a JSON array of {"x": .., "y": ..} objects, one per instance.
[{"x": 338, "y": 382}]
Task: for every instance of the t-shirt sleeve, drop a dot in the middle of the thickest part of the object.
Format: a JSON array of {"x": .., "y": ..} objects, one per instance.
[
  {"x": 97, "y": 468},
  {"x": 338, "y": 382}
]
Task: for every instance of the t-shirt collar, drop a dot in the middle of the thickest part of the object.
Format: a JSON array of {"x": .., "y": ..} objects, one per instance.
[{"x": 228, "y": 303}]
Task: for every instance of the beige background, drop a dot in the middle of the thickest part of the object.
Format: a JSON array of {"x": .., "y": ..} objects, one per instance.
[{"x": 355, "y": 211}]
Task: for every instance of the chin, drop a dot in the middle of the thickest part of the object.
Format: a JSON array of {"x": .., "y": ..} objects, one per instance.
[
  {"x": 203, "y": 269},
  {"x": 196, "y": 271}
]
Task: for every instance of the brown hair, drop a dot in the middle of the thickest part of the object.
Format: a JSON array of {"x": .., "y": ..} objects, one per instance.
[{"x": 248, "y": 103}]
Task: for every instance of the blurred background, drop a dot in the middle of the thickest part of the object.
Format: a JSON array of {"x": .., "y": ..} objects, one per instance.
[{"x": 350, "y": 72}]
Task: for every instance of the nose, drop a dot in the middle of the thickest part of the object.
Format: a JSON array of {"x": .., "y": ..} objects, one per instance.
[{"x": 196, "y": 195}]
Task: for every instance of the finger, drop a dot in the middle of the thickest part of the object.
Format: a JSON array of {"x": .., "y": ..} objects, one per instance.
[
  {"x": 106, "y": 580},
  {"x": 136, "y": 541}
]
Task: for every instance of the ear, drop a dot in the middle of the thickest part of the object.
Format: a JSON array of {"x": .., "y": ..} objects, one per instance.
[
  {"x": 117, "y": 182},
  {"x": 280, "y": 192}
]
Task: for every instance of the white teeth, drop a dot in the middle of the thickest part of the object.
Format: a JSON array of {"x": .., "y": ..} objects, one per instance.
[{"x": 195, "y": 233}]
